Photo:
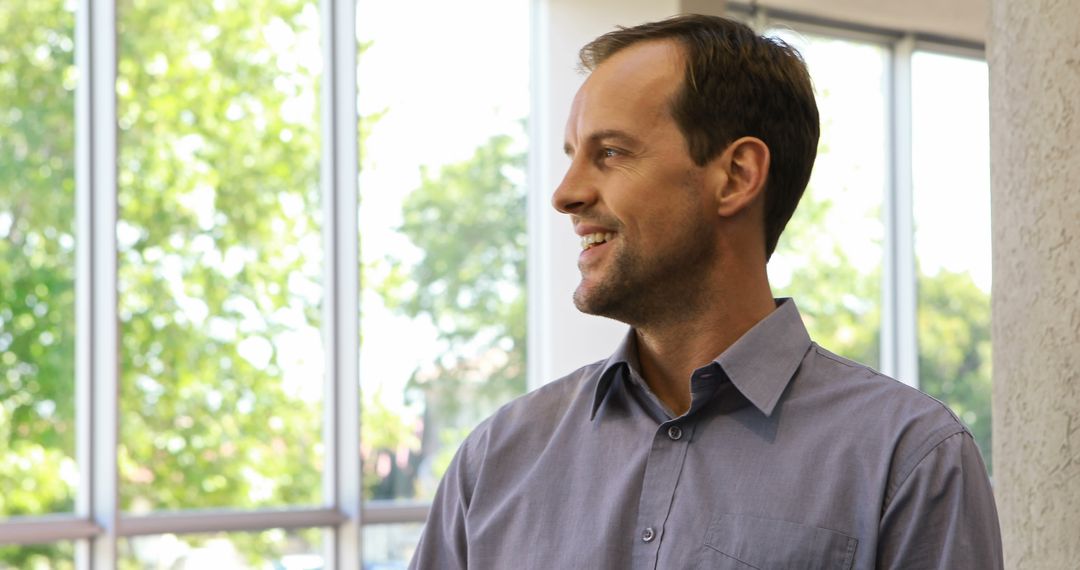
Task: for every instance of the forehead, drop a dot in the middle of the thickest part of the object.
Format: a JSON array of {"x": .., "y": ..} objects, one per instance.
[{"x": 631, "y": 90}]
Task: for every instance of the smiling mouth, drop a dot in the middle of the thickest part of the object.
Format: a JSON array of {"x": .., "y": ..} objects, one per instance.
[{"x": 589, "y": 241}]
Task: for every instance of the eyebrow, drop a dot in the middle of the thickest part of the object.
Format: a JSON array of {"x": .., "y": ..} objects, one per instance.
[{"x": 606, "y": 134}]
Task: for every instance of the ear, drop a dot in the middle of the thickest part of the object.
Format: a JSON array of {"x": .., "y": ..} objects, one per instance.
[{"x": 739, "y": 174}]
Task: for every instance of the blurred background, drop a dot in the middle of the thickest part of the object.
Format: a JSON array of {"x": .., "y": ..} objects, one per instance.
[{"x": 224, "y": 356}]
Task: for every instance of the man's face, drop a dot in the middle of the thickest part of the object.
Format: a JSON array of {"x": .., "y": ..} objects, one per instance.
[{"x": 633, "y": 193}]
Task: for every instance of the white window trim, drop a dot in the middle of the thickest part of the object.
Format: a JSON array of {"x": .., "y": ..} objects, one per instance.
[
  {"x": 96, "y": 336},
  {"x": 342, "y": 485}
]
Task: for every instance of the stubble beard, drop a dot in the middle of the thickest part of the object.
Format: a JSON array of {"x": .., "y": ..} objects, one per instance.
[{"x": 650, "y": 292}]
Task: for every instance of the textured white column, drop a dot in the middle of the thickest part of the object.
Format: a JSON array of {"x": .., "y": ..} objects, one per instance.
[{"x": 1034, "y": 57}]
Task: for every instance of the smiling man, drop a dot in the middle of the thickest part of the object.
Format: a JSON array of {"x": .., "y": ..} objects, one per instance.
[{"x": 718, "y": 435}]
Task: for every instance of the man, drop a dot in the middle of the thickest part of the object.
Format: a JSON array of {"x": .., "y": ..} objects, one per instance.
[{"x": 718, "y": 435}]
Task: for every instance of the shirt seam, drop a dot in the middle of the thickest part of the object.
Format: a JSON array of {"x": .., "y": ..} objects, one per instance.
[
  {"x": 840, "y": 360},
  {"x": 949, "y": 431},
  {"x": 824, "y": 353}
]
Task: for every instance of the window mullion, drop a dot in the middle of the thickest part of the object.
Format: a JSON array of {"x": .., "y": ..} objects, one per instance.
[
  {"x": 96, "y": 321},
  {"x": 899, "y": 347},
  {"x": 218, "y": 521},
  {"x": 340, "y": 134}
]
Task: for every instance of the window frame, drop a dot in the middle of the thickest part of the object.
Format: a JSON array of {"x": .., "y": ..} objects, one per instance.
[
  {"x": 97, "y": 523},
  {"x": 899, "y": 348}
]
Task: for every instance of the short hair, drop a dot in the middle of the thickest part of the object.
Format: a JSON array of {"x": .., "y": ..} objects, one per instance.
[{"x": 736, "y": 84}]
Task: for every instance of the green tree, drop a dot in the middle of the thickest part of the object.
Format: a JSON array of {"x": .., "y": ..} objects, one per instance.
[
  {"x": 37, "y": 349},
  {"x": 954, "y": 349},
  {"x": 219, "y": 205},
  {"x": 468, "y": 221},
  {"x": 218, "y": 187},
  {"x": 837, "y": 299}
]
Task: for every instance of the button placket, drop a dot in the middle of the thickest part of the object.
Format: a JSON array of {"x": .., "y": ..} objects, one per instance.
[{"x": 662, "y": 471}]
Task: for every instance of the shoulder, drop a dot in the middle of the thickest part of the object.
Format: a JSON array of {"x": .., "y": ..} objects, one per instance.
[
  {"x": 899, "y": 419},
  {"x": 872, "y": 396}
]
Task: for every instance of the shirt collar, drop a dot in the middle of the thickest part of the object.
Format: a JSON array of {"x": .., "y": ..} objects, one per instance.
[
  {"x": 623, "y": 357},
  {"x": 760, "y": 364}
]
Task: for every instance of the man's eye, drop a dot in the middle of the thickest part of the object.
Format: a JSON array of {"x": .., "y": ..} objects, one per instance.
[{"x": 609, "y": 153}]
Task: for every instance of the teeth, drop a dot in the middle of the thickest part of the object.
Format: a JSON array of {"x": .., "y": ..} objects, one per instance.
[{"x": 589, "y": 240}]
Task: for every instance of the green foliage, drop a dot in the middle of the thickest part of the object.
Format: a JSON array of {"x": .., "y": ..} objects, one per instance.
[
  {"x": 37, "y": 298},
  {"x": 37, "y": 302},
  {"x": 38, "y": 557},
  {"x": 388, "y": 444},
  {"x": 218, "y": 191},
  {"x": 234, "y": 550},
  {"x": 839, "y": 302},
  {"x": 954, "y": 349},
  {"x": 218, "y": 201},
  {"x": 468, "y": 222}
]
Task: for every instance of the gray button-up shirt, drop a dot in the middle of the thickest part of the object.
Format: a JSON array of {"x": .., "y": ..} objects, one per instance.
[{"x": 789, "y": 457}]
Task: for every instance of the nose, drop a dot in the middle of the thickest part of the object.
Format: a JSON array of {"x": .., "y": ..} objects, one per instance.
[{"x": 575, "y": 193}]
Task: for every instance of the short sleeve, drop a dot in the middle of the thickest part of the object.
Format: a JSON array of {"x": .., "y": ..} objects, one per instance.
[{"x": 943, "y": 514}]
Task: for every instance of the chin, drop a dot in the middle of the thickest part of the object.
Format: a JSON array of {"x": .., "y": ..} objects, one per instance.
[
  {"x": 600, "y": 302},
  {"x": 582, "y": 299},
  {"x": 588, "y": 300}
]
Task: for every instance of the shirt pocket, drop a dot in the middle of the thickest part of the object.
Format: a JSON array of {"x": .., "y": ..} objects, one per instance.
[{"x": 744, "y": 542}]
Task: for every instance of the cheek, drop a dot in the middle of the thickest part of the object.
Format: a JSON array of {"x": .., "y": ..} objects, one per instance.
[
  {"x": 682, "y": 226},
  {"x": 671, "y": 212},
  {"x": 660, "y": 207}
]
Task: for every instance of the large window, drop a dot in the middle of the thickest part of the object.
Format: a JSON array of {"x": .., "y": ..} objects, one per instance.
[{"x": 299, "y": 226}]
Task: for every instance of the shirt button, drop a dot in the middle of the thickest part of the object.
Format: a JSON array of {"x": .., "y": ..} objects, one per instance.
[
  {"x": 648, "y": 535},
  {"x": 674, "y": 432}
]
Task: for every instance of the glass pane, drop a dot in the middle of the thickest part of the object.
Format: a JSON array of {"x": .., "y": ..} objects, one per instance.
[
  {"x": 267, "y": 550},
  {"x": 442, "y": 219},
  {"x": 829, "y": 257},
  {"x": 220, "y": 255},
  {"x": 951, "y": 156},
  {"x": 38, "y": 474},
  {"x": 390, "y": 546},
  {"x": 55, "y": 556}
]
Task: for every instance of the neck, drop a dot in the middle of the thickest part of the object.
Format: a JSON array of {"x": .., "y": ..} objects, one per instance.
[{"x": 671, "y": 350}]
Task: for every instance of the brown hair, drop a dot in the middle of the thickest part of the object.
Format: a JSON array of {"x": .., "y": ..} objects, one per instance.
[{"x": 736, "y": 84}]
